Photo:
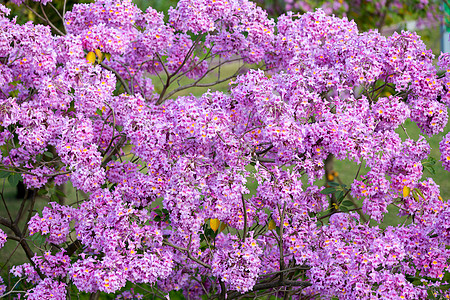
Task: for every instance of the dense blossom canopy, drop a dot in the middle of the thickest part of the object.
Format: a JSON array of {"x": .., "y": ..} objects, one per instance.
[{"x": 151, "y": 169}]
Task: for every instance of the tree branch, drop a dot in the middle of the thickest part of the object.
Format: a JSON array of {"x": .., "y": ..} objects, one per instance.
[
  {"x": 23, "y": 243},
  {"x": 188, "y": 254},
  {"x": 124, "y": 84}
]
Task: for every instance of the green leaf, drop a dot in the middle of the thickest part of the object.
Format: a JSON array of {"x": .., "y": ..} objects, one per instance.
[
  {"x": 60, "y": 193},
  {"x": 331, "y": 183},
  {"x": 54, "y": 198},
  {"x": 343, "y": 209},
  {"x": 15, "y": 82},
  {"x": 176, "y": 295},
  {"x": 14, "y": 179},
  {"x": 14, "y": 93},
  {"x": 48, "y": 154},
  {"x": 39, "y": 239},
  {"x": 419, "y": 192},
  {"x": 330, "y": 190},
  {"x": 341, "y": 188},
  {"x": 4, "y": 174},
  {"x": 414, "y": 194},
  {"x": 42, "y": 192},
  {"x": 430, "y": 169},
  {"x": 428, "y": 165},
  {"x": 108, "y": 56},
  {"x": 99, "y": 112},
  {"x": 347, "y": 203},
  {"x": 339, "y": 196}
]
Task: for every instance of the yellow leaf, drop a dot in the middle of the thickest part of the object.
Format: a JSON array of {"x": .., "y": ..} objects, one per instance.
[
  {"x": 272, "y": 225},
  {"x": 99, "y": 54},
  {"x": 406, "y": 191},
  {"x": 90, "y": 57},
  {"x": 214, "y": 223}
]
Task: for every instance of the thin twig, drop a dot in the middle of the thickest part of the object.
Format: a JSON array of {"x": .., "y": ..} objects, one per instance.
[
  {"x": 188, "y": 254},
  {"x": 12, "y": 289},
  {"x": 44, "y": 19},
  {"x": 124, "y": 84},
  {"x": 60, "y": 16},
  {"x": 4, "y": 202},
  {"x": 245, "y": 218},
  {"x": 23, "y": 243}
]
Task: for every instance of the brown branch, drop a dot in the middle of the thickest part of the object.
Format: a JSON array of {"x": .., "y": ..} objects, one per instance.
[
  {"x": 245, "y": 219},
  {"x": 4, "y": 202},
  {"x": 108, "y": 158},
  {"x": 74, "y": 246},
  {"x": 45, "y": 19},
  {"x": 23, "y": 171},
  {"x": 282, "y": 215},
  {"x": 170, "y": 76},
  {"x": 30, "y": 211},
  {"x": 124, "y": 84},
  {"x": 188, "y": 254},
  {"x": 196, "y": 84},
  {"x": 303, "y": 267},
  {"x": 335, "y": 212},
  {"x": 274, "y": 284},
  {"x": 23, "y": 243}
]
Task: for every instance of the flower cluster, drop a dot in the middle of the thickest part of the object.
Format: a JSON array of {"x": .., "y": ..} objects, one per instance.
[
  {"x": 26, "y": 270},
  {"x": 444, "y": 147},
  {"x": 53, "y": 265},
  {"x": 54, "y": 223},
  {"x": 3, "y": 238},
  {"x": 2, "y": 287},
  {"x": 222, "y": 193},
  {"x": 237, "y": 263},
  {"x": 131, "y": 294},
  {"x": 48, "y": 289}
]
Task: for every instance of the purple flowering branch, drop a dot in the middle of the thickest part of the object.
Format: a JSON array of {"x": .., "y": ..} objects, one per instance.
[
  {"x": 161, "y": 98},
  {"x": 197, "y": 84}
]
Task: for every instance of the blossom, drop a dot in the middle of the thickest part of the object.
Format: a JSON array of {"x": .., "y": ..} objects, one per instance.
[
  {"x": 48, "y": 289},
  {"x": 444, "y": 147},
  {"x": 3, "y": 238},
  {"x": 236, "y": 263},
  {"x": 150, "y": 166}
]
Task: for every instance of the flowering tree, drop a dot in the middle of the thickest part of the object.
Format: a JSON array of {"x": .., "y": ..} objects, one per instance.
[{"x": 163, "y": 182}]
